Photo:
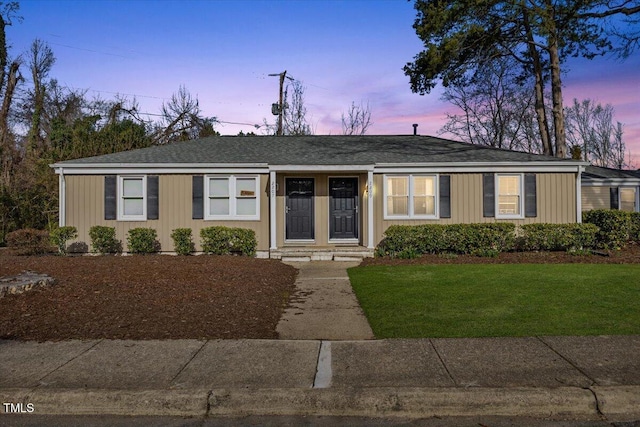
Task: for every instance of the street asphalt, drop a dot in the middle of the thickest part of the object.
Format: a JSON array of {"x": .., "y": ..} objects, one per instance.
[{"x": 593, "y": 378}]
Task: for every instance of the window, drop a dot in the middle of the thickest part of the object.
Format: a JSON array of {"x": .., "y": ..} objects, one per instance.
[
  {"x": 232, "y": 197},
  {"x": 509, "y": 196},
  {"x": 410, "y": 196},
  {"x": 397, "y": 195},
  {"x": 132, "y": 198},
  {"x": 628, "y": 199},
  {"x": 424, "y": 195}
]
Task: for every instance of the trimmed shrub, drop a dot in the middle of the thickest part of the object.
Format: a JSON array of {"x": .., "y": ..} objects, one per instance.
[
  {"x": 557, "y": 237},
  {"x": 480, "y": 239},
  {"x": 634, "y": 226},
  {"x": 60, "y": 237},
  {"x": 143, "y": 241},
  {"x": 29, "y": 241},
  {"x": 182, "y": 241},
  {"x": 614, "y": 227},
  {"x": 103, "y": 240},
  {"x": 220, "y": 240}
]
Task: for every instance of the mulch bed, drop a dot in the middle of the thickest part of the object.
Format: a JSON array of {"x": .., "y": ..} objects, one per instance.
[
  {"x": 629, "y": 255},
  {"x": 146, "y": 297}
]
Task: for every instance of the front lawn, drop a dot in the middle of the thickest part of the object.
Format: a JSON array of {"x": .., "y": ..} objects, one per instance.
[{"x": 466, "y": 300}]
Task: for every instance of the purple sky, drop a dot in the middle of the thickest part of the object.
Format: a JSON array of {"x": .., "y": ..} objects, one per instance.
[{"x": 223, "y": 51}]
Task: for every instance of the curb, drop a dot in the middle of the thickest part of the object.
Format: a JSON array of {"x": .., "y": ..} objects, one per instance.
[
  {"x": 110, "y": 402},
  {"x": 616, "y": 403},
  {"x": 620, "y": 403},
  {"x": 559, "y": 403}
]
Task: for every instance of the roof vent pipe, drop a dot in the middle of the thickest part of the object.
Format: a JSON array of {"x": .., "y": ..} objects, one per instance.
[{"x": 415, "y": 128}]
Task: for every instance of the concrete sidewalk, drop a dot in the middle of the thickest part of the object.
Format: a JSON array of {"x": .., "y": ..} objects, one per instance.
[
  {"x": 590, "y": 378},
  {"x": 324, "y": 306}
]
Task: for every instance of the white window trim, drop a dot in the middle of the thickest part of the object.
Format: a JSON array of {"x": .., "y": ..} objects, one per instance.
[
  {"x": 497, "y": 196},
  {"x": 121, "y": 216},
  {"x": 411, "y": 194},
  {"x": 232, "y": 199}
]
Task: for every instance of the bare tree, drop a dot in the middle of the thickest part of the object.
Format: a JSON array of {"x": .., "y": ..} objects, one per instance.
[
  {"x": 590, "y": 127},
  {"x": 497, "y": 109},
  {"x": 357, "y": 120},
  {"x": 295, "y": 111},
  {"x": 182, "y": 119},
  {"x": 9, "y": 79},
  {"x": 41, "y": 60}
]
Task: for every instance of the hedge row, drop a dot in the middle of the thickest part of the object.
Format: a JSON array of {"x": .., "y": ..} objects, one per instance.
[
  {"x": 616, "y": 228},
  {"x": 405, "y": 241},
  {"x": 490, "y": 239},
  {"x": 557, "y": 237}
]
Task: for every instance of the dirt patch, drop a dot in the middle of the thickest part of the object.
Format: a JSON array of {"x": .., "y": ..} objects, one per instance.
[
  {"x": 629, "y": 255},
  {"x": 146, "y": 297}
]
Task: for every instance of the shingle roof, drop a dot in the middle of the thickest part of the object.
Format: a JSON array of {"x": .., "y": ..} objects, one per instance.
[
  {"x": 314, "y": 150},
  {"x": 597, "y": 172}
]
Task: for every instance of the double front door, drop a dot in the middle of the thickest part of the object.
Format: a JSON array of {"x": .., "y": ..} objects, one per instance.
[{"x": 343, "y": 208}]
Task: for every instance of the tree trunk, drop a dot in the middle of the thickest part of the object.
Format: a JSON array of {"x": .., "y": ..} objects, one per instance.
[
  {"x": 541, "y": 112},
  {"x": 7, "y": 148},
  {"x": 556, "y": 96}
]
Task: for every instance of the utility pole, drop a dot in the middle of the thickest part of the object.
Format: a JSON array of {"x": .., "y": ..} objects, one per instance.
[{"x": 278, "y": 109}]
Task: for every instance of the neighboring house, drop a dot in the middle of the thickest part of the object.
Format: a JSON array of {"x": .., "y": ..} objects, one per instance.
[
  {"x": 325, "y": 194},
  {"x": 604, "y": 188}
]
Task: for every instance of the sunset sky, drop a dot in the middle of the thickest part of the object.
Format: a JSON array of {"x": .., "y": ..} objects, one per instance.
[{"x": 223, "y": 51}]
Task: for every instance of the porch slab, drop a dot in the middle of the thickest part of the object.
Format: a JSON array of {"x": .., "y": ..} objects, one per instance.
[{"x": 313, "y": 253}]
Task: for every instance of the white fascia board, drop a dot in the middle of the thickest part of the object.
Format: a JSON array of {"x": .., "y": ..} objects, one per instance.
[
  {"x": 609, "y": 182},
  {"x": 122, "y": 169},
  {"x": 567, "y": 162},
  {"x": 321, "y": 168},
  {"x": 480, "y": 168}
]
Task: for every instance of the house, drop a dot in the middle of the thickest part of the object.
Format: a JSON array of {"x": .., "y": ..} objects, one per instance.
[
  {"x": 323, "y": 196},
  {"x": 604, "y": 188}
]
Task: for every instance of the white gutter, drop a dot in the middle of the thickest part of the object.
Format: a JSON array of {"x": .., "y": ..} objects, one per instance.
[
  {"x": 610, "y": 182},
  {"x": 370, "y": 210},
  {"x": 70, "y": 164},
  {"x": 272, "y": 210},
  {"x": 579, "y": 195},
  {"x": 62, "y": 199},
  {"x": 485, "y": 164}
]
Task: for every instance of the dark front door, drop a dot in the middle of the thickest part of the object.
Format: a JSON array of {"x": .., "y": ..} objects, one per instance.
[
  {"x": 299, "y": 209},
  {"x": 343, "y": 208}
]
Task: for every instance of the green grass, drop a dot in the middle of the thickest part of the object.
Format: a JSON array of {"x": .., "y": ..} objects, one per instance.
[{"x": 492, "y": 300}]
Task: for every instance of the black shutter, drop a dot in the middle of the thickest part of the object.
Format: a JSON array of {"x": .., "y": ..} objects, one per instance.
[
  {"x": 198, "y": 197},
  {"x": 530, "y": 196},
  {"x": 615, "y": 203},
  {"x": 445, "y": 196},
  {"x": 110, "y": 197},
  {"x": 488, "y": 195},
  {"x": 152, "y": 197}
]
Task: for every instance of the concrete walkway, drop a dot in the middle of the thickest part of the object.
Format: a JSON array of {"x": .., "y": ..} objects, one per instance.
[
  {"x": 585, "y": 378},
  {"x": 324, "y": 306}
]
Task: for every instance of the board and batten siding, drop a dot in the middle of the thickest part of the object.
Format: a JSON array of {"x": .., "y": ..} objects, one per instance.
[
  {"x": 85, "y": 208},
  {"x": 556, "y": 202}
]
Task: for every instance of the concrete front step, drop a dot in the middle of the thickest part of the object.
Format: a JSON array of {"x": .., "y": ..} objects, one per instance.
[{"x": 306, "y": 254}]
